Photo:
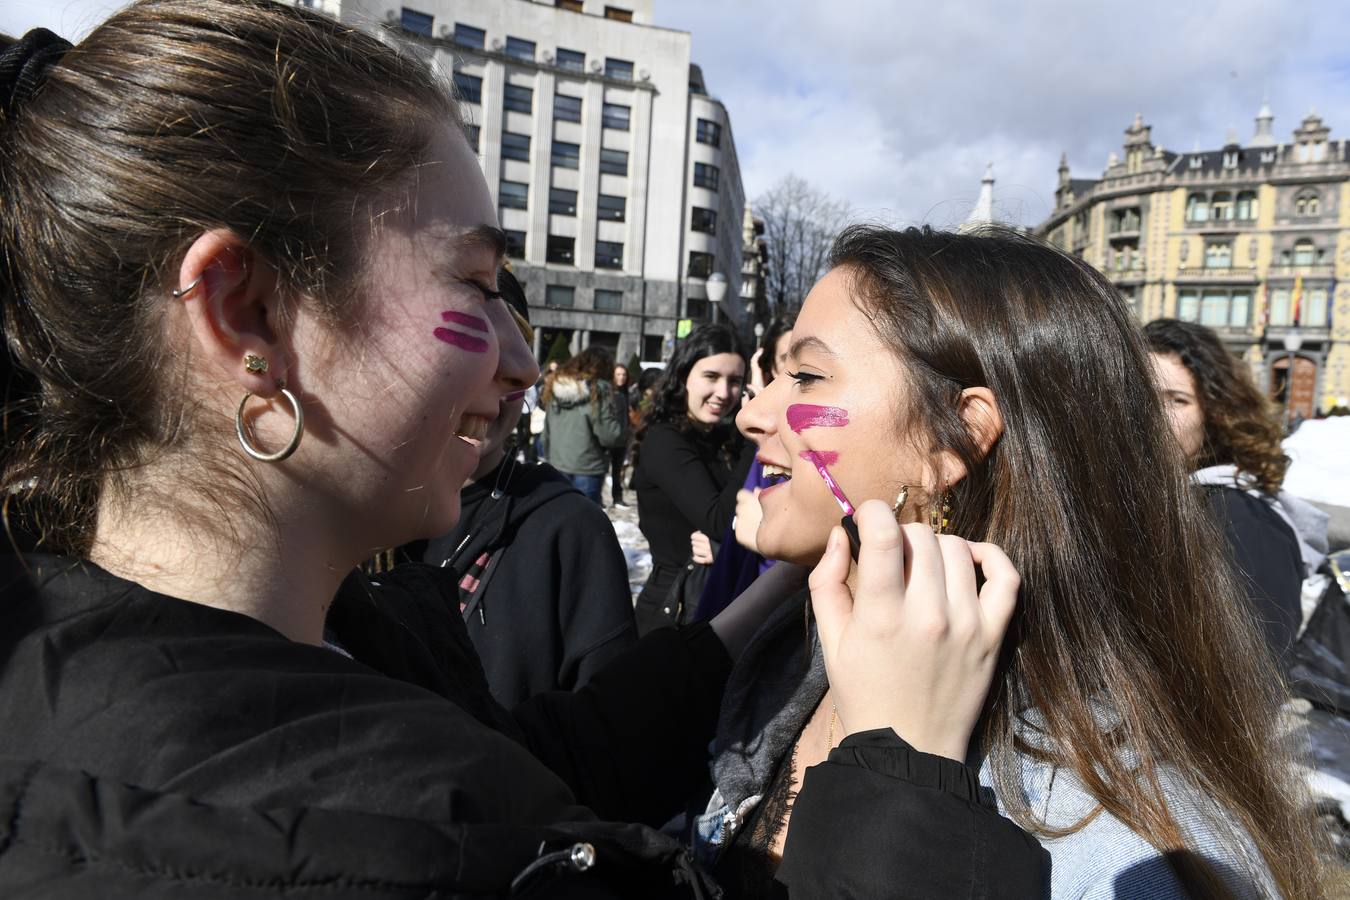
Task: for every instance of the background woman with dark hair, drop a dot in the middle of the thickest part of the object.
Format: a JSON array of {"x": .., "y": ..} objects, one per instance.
[
  {"x": 583, "y": 421},
  {"x": 690, "y": 463},
  {"x": 1231, "y": 437},
  {"x": 988, "y": 387}
]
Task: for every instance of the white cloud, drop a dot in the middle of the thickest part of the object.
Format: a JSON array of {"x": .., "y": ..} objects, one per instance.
[{"x": 899, "y": 105}]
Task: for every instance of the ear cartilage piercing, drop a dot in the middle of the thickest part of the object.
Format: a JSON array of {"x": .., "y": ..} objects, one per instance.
[{"x": 180, "y": 293}]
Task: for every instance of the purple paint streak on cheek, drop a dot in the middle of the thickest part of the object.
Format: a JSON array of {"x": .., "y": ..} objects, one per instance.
[
  {"x": 801, "y": 416},
  {"x": 462, "y": 341},
  {"x": 820, "y": 460},
  {"x": 464, "y": 319},
  {"x": 514, "y": 396}
]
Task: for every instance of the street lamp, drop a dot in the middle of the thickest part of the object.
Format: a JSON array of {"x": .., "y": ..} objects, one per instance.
[
  {"x": 1293, "y": 340},
  {"x": 716, "y": 288}
]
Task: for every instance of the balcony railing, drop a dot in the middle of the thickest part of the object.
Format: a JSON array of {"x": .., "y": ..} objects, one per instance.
[
  {"x": 1321, "y": 270},
  {"x": 1216, "y": 273}
]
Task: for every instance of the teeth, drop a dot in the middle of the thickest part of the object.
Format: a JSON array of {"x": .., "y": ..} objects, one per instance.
[
  {"x": 776, "y": 471},
  {"x": 474, "y": 428}
]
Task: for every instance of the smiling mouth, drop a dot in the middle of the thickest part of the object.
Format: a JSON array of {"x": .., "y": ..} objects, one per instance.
[
  {"x": 473, "y": 429},
  {"x": 776, "y": 474}
]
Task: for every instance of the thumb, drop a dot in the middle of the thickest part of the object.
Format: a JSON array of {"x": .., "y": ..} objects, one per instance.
[{"x": 830, "y": 596}]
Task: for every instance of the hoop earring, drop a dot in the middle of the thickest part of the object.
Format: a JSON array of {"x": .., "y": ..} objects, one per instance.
[
  {"x": 938, "y": 512},
  {"x": 900, "y": 499},
  {"x": 295, "y": 438},
  {"x": 180, "y": 293}
]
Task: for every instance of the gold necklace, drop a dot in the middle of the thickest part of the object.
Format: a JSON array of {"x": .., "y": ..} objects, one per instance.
[{"x": 829, "y": 741}]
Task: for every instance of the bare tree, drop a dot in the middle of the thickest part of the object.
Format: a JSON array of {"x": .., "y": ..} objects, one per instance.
[{"x": 800, "y": 223}]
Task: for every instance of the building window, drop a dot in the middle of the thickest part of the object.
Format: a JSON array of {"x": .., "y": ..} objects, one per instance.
[
  {"x": 468, "y": 36},
  {"x": 1219, "y": 255},
  {"x": 1216, "y": 308},
  {"x": 706, "y": 176},
  {"x": 621, "y": 69},
  {"x": 1188, "y": 306},
  {"x": 700, "y": 264},
  {"x": 696, "y": 308},
  {"x": 519, "y": 48},
  {"x": 614, "y": 162},
  {"x": 566, "y": 156},
  {"x": 514, "y": 195},
  {"x": 1221, "y": 207},
  {"x": 519, "y": 98},
  {"x": 651, "y": 347},
  {"x": 561, "y": 249},
  {"x": 515, "y": 244},
  {"x": 475, "y": 135},
  {"x": 609, "y": 301},
  {"x": 1305, "y": 253},
  {"x": 613, "y": 208},
  {"x": 709, "y": 133},
  {"x": 566, "y": 109},
  {"x": 416, "y": 22},
  {"x": 569, "y": 5},
  {"x": 1197, "y": 208},
  {"x": 562, "y": 202},
  {"x": 1308, "y": 203},
  {"x": 1126, "y": 256},
  {"x": 1315, "y": 309},
  {"x": 1124, "y": 220},
  {"x": 618, "y": 13},
  {"x": 1279, "y": 307},
  {"x": 515, "y": 146},
  {"x": 1247, "y": 206},
  {"x": 1130, "y": 294},
  {"x": 469, "y": 87},
  {"x": 704, "y": 220},
  {"x": 571, "y": 60},
  {"x": 560, "y": 295},
  {"x": 608, "y": 255},
  {"x": 614, "y": 115}
]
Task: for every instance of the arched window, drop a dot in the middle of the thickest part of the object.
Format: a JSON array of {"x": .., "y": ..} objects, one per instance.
[
  {"x": 1248, "y": 206},
  {"x": 1221, "y": 207},
  {"x": 1308, "y": 203},
  {"x": 1197, "y": 208},
  {"x": 1305, "y": 254}
]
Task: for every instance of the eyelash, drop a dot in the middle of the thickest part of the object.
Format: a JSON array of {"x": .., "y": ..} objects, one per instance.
[
  {"x": 804, "y": 378},
  {"x": 488, "y": 293}
]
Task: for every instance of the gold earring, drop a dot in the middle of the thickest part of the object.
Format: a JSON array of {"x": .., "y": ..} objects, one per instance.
[
  {"x": 938, "y": 513},
  {"x": 900, "y": 499},
  {"x": 255, "y": 364},
  {"x": 284, "y": 452}
]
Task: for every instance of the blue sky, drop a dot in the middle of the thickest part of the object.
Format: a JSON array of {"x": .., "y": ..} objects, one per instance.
[{"x": 897, "y": 105}]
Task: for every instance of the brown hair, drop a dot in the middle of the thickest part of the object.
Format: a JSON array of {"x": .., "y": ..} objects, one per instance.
[
  {"x": 594, "y": 365},
  {"x": 1126, "y": 608},
  {"x": 1240, "y": 424},
  {"x": 171, "y": 118}
]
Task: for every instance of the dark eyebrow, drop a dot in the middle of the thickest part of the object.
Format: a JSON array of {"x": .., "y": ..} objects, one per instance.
[{"x": 810, "y": 343}]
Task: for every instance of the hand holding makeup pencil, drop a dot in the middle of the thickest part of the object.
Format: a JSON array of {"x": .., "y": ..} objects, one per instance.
[{"x": 913, "y": 644}]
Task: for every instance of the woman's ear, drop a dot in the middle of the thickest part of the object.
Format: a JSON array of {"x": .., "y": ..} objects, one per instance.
[
  {"x": 980, "y": 413},
  {"x": 229, "y": 292}
]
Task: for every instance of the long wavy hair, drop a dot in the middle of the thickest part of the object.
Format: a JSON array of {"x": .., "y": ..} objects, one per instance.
[
  {"x": 670, "y": 397},
  {"x": 1241, "y": 427},
  {"x": 1130, "y": 640}
]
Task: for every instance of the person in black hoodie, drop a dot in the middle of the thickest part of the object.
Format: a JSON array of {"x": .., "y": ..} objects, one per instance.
[
  {"x": 541, "y": 579},
  {"x": 262, "y": 353}
]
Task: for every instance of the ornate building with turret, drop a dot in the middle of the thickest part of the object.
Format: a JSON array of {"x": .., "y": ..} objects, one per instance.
[{"x": 1250, "y": 239}]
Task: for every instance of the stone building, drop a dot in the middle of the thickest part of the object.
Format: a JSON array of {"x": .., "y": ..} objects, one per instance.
[
  {"x": 1251, "y": 239},
  {"x": 614, "y": 170}
]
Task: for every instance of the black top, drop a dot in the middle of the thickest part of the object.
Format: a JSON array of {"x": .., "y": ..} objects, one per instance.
[
  {"x": 686, "y": 483},
  {"x": 1266, "y": 553},
  {"x": 154, "y": 747},
  {"x": 541, "y": 580}
]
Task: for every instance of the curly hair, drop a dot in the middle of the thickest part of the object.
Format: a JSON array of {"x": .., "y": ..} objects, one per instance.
[
  {"x": 592, "y": 365},
  {"x": 1241, "y": 427}
]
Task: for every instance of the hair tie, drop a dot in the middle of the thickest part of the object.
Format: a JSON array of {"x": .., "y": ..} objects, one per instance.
[{"x": 24, "y": 65}]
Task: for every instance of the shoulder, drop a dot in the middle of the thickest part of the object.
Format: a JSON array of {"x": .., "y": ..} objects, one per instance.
[{"x": 1251, "y": 517}]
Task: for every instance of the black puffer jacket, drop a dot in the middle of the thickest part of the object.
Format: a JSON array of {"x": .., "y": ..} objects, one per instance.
[{"x": 154, "y": 747}]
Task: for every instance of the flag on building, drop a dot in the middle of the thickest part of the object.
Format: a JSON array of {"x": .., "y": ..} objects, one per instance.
[{"x": 1296, "y": 302}]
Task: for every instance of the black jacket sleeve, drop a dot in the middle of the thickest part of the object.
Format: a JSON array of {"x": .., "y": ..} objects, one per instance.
[
  {"x": 633, "y": 743},
  {"x": 881, "y": 819},
  {"x": 674, "y": 465},
  {"x": 1270, "y": 566}
]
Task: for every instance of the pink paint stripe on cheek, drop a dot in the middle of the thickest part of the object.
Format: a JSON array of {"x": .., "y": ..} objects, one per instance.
[
  {"x": 464, "y": 319},
  {"x": 801, "y": 416},
  {"x": 462, "y": 341},
  {"x": 820, "y": 457}
]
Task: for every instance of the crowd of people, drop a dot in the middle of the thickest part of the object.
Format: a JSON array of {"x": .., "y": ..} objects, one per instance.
[{"x": 290, "y": 608}]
